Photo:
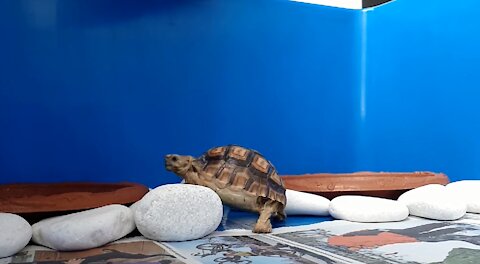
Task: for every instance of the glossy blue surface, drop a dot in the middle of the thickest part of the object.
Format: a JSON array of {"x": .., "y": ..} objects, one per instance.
[
  {"x": 102, "y": 89},
  {"x": 421, "y": 88},
  {"x": 246, "y": 220}
]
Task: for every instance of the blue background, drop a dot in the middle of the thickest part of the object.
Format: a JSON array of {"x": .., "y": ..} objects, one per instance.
[
  {"x": 100, "y": 90},
  {"x": 422, "y": 109}
]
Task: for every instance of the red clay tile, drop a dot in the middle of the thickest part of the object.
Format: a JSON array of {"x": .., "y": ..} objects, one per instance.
[
  {"x": 379, "y": 184},
  {"x": 58, "y": 197}
]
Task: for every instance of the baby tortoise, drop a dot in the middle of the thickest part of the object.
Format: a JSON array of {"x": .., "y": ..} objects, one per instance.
[{"x": 242, "y": 178}]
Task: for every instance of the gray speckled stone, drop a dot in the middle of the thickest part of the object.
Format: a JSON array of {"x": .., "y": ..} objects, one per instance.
[
  {"x": 178, "y": 212},
  {"x": 86, "y": 229},
  {"x": 133, "y": 207},
  {"x": 15, "y": 234}
]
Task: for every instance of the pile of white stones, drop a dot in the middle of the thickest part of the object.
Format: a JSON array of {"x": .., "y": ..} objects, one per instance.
[
  {"x": 433, "y": 201},
  {"x": 179, "y": 212},
  {"x": 174, "y": 212}
]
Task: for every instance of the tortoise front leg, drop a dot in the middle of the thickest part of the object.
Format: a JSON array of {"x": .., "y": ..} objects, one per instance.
[{"x": 263, "y": 224}]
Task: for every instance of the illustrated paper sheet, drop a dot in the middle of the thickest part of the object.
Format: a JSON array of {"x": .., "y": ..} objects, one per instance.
[{"x": 415, "y": 240}]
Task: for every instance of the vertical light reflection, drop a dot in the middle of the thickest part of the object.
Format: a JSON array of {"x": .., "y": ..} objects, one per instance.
[{"x": 363, "y": 67}]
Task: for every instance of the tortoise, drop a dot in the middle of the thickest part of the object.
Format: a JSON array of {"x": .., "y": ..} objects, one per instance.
[{"x": 242, "y": 177}]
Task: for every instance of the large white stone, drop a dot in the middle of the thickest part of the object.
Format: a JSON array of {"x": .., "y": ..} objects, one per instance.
[
  {"x": 178, "y": 212},
  {"x": 469, "y": 192},
  {"x": 434, "y": 201},
  {"x": 15, "y": 233},
  {"x": 133, "y": 207},
  {"x": 301, "y": 203},
  {"x": 86, "y": 229},
  {"x": 367, "y": 209}
]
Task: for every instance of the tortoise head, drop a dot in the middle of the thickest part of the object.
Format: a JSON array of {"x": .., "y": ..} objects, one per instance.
[{"x": 178, "y": 164}]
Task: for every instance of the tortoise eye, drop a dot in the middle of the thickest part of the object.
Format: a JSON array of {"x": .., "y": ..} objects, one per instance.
[{"x": 174, "y": 158}]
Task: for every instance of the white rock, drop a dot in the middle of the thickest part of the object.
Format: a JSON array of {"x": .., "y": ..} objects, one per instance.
[
  {"x": 434, "y": 201},
  {"x": 367, "y": 209},
  {"x": 86, "y": 229},
  {"x": 301, "y": 203},
  {"x": 178, "y": 212},
  {"x": 133, "y": 207},
  {"x": 15, "y": 233},
  {"x": 469, "y": 192}
]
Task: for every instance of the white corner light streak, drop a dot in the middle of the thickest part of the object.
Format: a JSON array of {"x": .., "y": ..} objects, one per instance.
[{"x": 349, "y": 4}]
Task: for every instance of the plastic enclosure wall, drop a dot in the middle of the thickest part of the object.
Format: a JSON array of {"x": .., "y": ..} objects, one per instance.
[
  {"x": 421, "y": 88},
  {"x": 97, "y": 90}
]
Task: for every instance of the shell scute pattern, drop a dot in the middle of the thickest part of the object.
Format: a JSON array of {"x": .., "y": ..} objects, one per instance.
[
  {"x": 223, "y": 175},
  {"x": 244, "y": 169}
]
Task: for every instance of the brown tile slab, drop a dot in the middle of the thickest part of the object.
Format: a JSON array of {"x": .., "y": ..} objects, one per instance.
[
  {"x": 379, "y": 184},
  {"x": 60, "y": 197}
]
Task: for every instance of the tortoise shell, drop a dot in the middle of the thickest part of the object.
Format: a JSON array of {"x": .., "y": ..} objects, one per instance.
[{"x": 238, "y": 168}]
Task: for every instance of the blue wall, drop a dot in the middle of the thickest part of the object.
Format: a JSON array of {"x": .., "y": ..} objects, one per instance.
[
  {"x": 421, "y": 88},
  {"x": 102, "y": 89}
]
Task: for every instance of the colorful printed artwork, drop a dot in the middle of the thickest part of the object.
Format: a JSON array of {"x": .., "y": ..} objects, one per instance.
[
  {"x": 413, "y": 241},
  {"x": 410, "y": 241},
  {"x": 246, "y": 249}
]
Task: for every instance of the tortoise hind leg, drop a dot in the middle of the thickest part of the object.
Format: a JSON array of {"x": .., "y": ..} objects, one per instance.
[
  {"x": 263, "y": 224},
  {"x": 281, "y": 215}
]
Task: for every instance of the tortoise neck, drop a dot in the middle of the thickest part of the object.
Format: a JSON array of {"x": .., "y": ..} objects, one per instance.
[{"x": 197, "y": 165}]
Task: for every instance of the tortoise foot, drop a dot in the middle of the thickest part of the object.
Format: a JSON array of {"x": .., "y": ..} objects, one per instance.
[{"x": 262, "y": 228}]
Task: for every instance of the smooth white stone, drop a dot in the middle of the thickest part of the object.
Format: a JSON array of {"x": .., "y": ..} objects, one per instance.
[
  {"x": 178, "y": 212},
  {"x": 434, "y": 201},
  {"x": 301, "y": 203},
  {"x": 367, "y": 209},
  {"x": 133, "y": 207},
  {"x": 86, "y": 229},
  {"x": 15, "y": 233},
  {"x": 469, "y": 192}
]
